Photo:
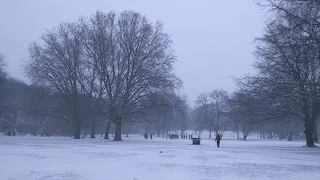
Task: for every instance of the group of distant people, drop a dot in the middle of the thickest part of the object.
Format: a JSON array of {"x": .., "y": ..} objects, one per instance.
[
  {"x": 10, "y": 133},
  {"x": 184, "y": 136}
]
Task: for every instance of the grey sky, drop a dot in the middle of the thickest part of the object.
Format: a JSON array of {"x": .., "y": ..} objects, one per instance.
[{"x": 212, "y": 39}]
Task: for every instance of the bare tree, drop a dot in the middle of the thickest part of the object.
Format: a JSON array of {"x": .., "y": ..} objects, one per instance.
[
  {"x": 302, "y": 16},
  {"x": 169, "y": 111},
  {"x": 206, "y": 111},
  {"x": 220, "y": 101},
  {"x": 245, "y": 112},
  {"x": 213, "y": 107},
  {"x": 56, "y": 63},
  {"x": 133, "y": 58},
  {"x": 287, "y": 64}
]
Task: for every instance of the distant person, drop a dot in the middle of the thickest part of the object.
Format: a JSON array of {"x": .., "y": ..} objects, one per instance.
[
  {"x": 218, "y": 139},
  {"x": 151, "y": 136}
]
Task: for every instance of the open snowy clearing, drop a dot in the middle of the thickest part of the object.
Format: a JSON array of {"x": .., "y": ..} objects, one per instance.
[{"x": 62, "y": 158}]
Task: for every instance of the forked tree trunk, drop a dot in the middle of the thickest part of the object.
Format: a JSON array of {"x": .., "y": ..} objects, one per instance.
[{"x": 106, "y": 135}]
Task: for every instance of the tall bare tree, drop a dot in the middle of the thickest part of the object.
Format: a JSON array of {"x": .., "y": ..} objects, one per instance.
[
  {"x": 133, "y": 58},
  {"x": 302, "y": 16},
  {"x": 55, "y": 62},
  {"x": 288, "y": 65}
]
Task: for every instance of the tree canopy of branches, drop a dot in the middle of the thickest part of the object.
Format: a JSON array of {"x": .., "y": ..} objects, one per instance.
[
  {"x": 56, "y": 63},
  {"x": 211, "y": 110},
  {"x": 116, "y": 59},
  {"x": 288, "y": 63}
]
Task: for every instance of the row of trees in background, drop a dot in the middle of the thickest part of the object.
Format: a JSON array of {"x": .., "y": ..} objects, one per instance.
[
  {"x": 35, "y": 110},
  {"x": 244, "y": 114}
]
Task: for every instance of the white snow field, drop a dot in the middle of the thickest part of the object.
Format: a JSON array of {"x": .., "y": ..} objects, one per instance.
[{"x": 62, "y": 158}]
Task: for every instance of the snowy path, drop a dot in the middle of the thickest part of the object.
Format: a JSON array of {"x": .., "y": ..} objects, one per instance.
[{"x": 60, "y": 158}]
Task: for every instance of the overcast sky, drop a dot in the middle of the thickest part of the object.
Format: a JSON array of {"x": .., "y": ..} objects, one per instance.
[{"x": 212, "y": 39}]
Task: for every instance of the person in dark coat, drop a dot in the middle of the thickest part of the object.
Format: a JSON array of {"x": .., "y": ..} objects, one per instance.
[{"x": 218, "y": 139}]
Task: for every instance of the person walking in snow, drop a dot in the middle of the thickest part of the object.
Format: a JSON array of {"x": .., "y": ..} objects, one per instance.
[{"x": 218, "y": 139}]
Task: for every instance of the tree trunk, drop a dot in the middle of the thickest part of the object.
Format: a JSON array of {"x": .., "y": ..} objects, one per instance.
[
  {"x": 309, "y": 139},
  {"x": 78, "y": 131},
  {"x": 245, "y": 133},
  {"x": 163, "y": 127},
  {"x": 106, "y": 135},
  {"x": 315, "y": 131},
  {"x": 264, "y": 136},
  {"x": 309, "y": 133},
  {"x": 282, "y": 135},
  {"x": 290, "y": 136},
  {"x": 244, "y": 137},
  {"x": 210, "y": 134},
  {"x": 237, "y": 126},
  {"x": 117, "y": 134},
  {"x": 158, "y": 132},
  {"x": 318, "y": 132},
  {"x": 93, "y": 129}
]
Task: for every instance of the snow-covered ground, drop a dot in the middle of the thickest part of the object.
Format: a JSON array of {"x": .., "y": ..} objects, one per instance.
[{"x": 62, "y": 158}]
